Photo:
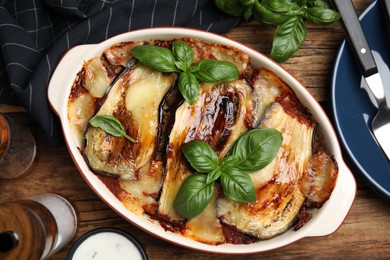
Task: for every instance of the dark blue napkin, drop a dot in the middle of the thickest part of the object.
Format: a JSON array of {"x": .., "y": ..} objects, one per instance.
[{"x": 34, "y": 34}]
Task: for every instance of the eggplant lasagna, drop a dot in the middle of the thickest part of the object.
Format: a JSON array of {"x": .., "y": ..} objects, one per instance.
[{"x": 147, "y": 175}]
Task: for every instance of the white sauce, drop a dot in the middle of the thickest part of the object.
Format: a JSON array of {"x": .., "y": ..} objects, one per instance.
[{"x": 107, "y": 245}]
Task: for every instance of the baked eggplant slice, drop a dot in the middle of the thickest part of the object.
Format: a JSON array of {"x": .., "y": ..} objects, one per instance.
[
  {"x": 280, "y": 199},
  {"x": 219, "y": 116},
  {"x": 97, "y": 77},
  {"x": 120, "y": 53},
  {"x": 80, "y": 109},
  {"x": 268, "y": 87},
  {"x": 89, "y": 87},
  {"x": 134, "y": 100},
  {"x": 319, "y": 178}
]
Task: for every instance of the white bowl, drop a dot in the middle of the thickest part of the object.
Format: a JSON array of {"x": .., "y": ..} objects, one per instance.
[{"x": 324, "y": 222}]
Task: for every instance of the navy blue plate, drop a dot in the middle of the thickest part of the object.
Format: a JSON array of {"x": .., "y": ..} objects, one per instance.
[{"x": 352, "y": 108}]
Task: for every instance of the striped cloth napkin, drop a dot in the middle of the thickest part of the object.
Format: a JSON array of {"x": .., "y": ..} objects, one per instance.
[{"x": 34, "y": 34}]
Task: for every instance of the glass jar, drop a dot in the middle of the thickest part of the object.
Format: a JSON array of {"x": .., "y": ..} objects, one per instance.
[{"x": 18, "y": 149}]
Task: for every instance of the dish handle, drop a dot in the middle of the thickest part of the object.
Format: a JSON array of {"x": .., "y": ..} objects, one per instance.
[
  {"x": 70, "y": 62},
  {"x": 333, "y": 217}
]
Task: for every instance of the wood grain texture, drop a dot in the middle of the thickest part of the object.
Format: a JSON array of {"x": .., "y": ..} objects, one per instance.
[{"x": 364, "y": 234}]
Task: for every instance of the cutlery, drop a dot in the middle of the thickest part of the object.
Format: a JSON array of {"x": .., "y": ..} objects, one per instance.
[
  {"x": 384, "y": 71},
  {"x": 386, "y": 11},
  {"x": 380, "y": 124}
]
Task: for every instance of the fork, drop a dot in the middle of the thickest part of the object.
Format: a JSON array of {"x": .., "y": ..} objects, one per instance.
[{"x": 380, "y": 124}]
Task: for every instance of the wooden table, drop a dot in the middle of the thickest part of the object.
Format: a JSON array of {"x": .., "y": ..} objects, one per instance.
[{"x": 365, "y": 232}]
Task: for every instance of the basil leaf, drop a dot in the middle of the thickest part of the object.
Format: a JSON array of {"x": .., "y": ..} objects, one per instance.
[
  {"x": 200, "y": 155},
  {"x": 320, "y": 15},
  {"x": 156, "y": 57},
  {"x": 213, "y": 175},
  {"x": 238, "y": 186},
  {"x": 247, "y": 3},
  {"x": 319, "y": 3},
  {"x": 183, "y": 54},
  {"x": 193, "y": 196},
  {"x": 256, "y": 149},
  {"x": 300, "y": 2},
  {"x": 192, "y": 69},
  {"x": 288, "y": 38},
  {"x": 231, "y": 7},
  {"x": 215, "y": 70},
  {"x": 189, "y": 87},
  {"x": 285, "y": 7},
  {"x": 110, "y": 125},
  {"x": 266, "y": 16},
  {"x": 228, "y": 162},
  {"x": 248, "y": 13}
]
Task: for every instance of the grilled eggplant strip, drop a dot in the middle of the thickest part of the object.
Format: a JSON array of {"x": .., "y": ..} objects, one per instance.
[
  {"x": 133, "y": 100},
  {"x": 89, "y": 87},
  {"x": 80, "y": 110},
  {"x": 218, "y": 117},
  {"x": 172, "y": 100},
  {"x": 268, "y": 87},
  {"x": 143, "y": 192},
  {"x": 120, "y": 53},
  {"x": 96, "y": 77},
  {"x": 319, "y": 179},
  {"x": 280, "y": 200}
]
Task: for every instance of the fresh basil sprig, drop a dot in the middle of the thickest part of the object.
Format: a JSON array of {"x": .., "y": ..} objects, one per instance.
[
  {"x": 110, "y": 125},
  {"x": 215, "y": 70},
  {"x": 287, "y": 15},
  {"x": 156, "y": 57},
  {"x": 250, "y": 153},
  {"x": 180, "y": 60}
]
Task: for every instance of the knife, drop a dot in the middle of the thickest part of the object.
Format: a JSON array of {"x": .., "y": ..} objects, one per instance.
[
  {"x": 386, "y": 11},
  {"x": 384, "y": 71},
  {"x": 380, "y": 124}
]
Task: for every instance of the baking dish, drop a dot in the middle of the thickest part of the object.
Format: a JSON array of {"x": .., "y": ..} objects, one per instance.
[{"x": 324, "y": 222}]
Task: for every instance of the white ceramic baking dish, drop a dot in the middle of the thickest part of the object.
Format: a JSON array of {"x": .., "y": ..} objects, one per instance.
[{"x": 324, "y": 222}]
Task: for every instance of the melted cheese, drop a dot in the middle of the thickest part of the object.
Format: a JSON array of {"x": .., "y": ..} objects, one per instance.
[
  {"x": 96, "y": 79},
  {"x": 206, "y": 226},
  {"x": 143, "y": 98},
  {"x": 80, "y": 110}
]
